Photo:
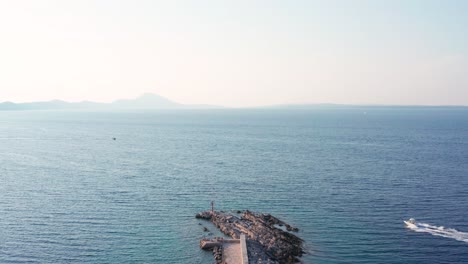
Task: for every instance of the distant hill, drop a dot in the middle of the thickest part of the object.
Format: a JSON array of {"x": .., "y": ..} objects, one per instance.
[
  {"x": 146, "y": 101},
  {"x": 362, "y": 106},
  {"x": 149, "y": 101},
  {"x": 55, "y": 104}
]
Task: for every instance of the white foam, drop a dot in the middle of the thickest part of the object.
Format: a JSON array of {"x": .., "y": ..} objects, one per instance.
[{"x": 440, "y": 231}]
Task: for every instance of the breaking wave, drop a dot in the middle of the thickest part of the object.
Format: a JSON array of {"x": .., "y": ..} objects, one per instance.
[{"x": 440, "y": 231}]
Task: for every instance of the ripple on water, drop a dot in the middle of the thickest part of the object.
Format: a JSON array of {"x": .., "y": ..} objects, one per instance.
[{"x": 70, "y": 195}]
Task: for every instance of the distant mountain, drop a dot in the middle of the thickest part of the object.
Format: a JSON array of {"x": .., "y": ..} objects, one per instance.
[
  {"x": 150, "y": 101},
  {"x": 55, "y": 104},
  {"x": 146, "y": 101}
]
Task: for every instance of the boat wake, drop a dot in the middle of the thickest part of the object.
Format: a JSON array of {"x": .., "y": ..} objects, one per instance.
[{"x": 439, "y": 231}]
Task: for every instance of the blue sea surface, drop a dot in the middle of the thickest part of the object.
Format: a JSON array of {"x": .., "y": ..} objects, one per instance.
[{"x": 347, "y": 178}]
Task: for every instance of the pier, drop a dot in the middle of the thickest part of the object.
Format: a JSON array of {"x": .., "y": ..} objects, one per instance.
[
  {"x": 230, "y": 251},
  {"x": 258, "y": 238}
]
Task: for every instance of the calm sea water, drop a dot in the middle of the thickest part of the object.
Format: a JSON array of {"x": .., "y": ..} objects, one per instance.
[{"x": 346, "y": 177}]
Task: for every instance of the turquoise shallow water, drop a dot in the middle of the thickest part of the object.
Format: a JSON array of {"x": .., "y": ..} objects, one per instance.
[{"x": 346, "y": 177}]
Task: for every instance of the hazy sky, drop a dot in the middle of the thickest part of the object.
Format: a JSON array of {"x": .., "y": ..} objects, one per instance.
[{"x": 236, "y": 53}]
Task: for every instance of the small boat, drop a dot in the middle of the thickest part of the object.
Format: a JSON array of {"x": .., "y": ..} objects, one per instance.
[{"x": 411, "y": 223}]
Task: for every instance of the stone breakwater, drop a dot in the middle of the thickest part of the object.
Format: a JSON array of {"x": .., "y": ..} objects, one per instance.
[{"x": 267, "y": 242}]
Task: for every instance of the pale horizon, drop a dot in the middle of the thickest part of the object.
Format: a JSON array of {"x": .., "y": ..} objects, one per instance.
[
  {"x": 252, "y": 106},
  {"x": 236, "y": 53}
]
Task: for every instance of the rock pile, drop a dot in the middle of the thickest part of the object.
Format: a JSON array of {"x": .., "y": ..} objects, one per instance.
[
  {"x": 266, "y": 241},
  {"x": 218, "y": 254}
]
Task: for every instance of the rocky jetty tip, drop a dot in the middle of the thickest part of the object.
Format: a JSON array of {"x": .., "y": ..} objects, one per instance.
[{"x": 268, "y": 239}]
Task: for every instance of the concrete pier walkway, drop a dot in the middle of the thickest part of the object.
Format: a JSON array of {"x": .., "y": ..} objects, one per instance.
[
  {"x": 235, "y": 252},
  {"x": 232, "y": 253}
]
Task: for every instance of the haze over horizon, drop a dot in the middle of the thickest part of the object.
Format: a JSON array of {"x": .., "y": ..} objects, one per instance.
[
  {"x": 152, "y": 101},
  {"x": 236, "y": 53}
]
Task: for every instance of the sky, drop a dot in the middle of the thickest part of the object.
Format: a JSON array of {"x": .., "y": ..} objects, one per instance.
[{"x": 236, "y": 52}]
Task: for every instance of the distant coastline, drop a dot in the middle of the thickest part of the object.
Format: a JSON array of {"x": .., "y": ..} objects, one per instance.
[
  {"x": 146, "y": 101},
  {"x": 150, "y": 101}
]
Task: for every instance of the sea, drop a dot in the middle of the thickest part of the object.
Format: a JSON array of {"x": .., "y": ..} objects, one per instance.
[{"x": 347, "y": 177}]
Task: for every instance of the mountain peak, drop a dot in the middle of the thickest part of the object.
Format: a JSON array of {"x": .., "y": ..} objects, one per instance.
[
  {"x": 147, "y": 101},
  {"x": 149, "y": 95}
]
